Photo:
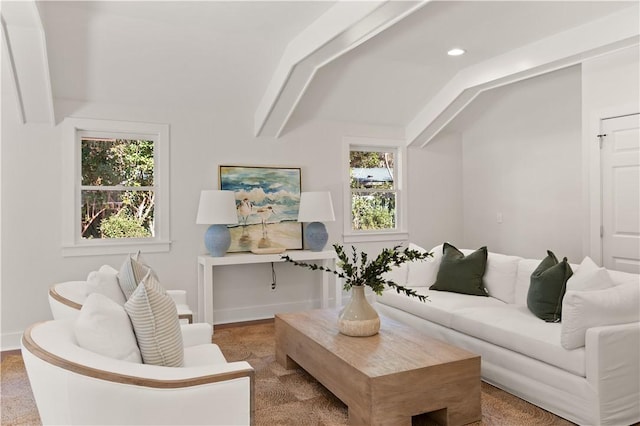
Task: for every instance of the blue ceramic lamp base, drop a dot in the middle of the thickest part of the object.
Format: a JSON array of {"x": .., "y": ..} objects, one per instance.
[
  {"x": 316, "y": 236},
  {"x": 217, "y": 240}
]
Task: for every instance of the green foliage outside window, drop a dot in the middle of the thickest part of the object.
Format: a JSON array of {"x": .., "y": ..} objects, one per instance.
[
  {"x": 112, "y": 204},
  {"x": 122, "y": 225},
  {"x": 373, "y": 198},
  {"x": 373, "y": 212}
]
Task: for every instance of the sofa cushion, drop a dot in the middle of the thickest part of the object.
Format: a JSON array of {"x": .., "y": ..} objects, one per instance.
[
  {"x": 103, "y": 327},
  {"x": 461, "y": 274},
  {"x": 500, "y": 276},
  {"x": 156, "y": 325},
  {"x": 131, "y": 272},
  {"x": 105, "y": 281},
  {"x": 620, "y": 277},
  {"x": 548, "y": 285},
  {"x": 588, "y": 276},
  {"x": 397, "y": 274},
  {"x": 585, "y": 309},
  {"x": 423, "y": 273},
  {"x": 516, "y": 328},
  {"x": 523, "y": 279},
  {"x": 440, "y": 306}
]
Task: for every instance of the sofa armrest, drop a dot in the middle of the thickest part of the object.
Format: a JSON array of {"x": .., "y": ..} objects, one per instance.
[
  {"x": 613, "y": 369},
  {"x": 196, "y": 334},
  {"x": 73, "y": 385},
  {"x": 65, "y": 299}
]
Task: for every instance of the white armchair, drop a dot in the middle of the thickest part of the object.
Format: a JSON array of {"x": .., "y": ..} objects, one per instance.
[
  {"x": 72, "y": 385},
  {"x": 66, "y": 300}
]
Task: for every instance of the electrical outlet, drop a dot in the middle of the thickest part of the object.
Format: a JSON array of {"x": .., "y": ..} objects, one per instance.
[
  {"x": 499, "y": 217},
  {"x": 273, "y": 286}
]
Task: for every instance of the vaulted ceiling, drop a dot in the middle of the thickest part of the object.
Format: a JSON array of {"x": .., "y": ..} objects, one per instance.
[{"x": 282, "y": 63}]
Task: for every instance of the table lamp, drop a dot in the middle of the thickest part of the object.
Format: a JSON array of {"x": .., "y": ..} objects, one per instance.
[
  {"x": 316, "y": 207},
  {"x": 218, "y": 209}
]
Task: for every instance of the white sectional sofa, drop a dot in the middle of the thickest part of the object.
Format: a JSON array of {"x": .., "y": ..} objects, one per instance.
[{"x": 597, "y": 383}]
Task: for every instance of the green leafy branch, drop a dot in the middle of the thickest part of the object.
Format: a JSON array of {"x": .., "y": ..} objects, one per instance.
[{"x": 357, "y": 270}]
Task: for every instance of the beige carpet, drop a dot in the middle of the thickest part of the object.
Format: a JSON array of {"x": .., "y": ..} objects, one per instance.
[{"x": 283, "y": 397}]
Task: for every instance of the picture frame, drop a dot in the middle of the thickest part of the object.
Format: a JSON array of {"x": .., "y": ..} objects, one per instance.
[{"x": 267, "y": 202}]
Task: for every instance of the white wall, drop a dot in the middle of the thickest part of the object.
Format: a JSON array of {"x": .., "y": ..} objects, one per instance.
[
  {"x": 520, "y": 155},
  {"x": 31, "y": 215},
  {"x": 435, "y": 191},
  {"x": 610, "y": 87},
  {"x": 522, "y": 159}
]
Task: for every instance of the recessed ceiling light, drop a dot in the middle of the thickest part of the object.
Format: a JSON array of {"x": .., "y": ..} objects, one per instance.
[{"x": 456, "y": 52}]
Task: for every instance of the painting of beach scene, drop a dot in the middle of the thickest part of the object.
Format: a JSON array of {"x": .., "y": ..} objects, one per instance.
[{"x": 267, "y": 202}]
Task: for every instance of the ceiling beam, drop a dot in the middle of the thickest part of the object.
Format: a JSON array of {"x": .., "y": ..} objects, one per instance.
[
  {"x": 25, "y": 50},
  {"x": 341, "y": 29},
  {"x": 607, "y": 34}
]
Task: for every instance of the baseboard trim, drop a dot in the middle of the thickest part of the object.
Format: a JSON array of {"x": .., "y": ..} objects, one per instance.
[
  {"x": 244, "y": 323},
  {"x": 260, "y": 312},
  {"x": 10, "y": 341}
]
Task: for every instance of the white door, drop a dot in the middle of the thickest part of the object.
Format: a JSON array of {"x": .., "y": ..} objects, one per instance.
[{"x": 620, "y": 160}]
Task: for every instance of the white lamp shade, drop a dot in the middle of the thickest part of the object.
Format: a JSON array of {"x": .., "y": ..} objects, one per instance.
[
  {"x": 316, "y": 207},
  {"x": 217, "y": 207}
]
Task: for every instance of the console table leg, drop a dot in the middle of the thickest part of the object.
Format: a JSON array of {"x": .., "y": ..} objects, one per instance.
[
  {"x": 208, "y": 294},
  {"x": 201, "y": 281},
  {"x": 325, "y": 287}
]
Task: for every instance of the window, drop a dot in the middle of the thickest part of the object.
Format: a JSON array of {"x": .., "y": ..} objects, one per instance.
[
  {"x": 373, "y": 189},
  {"x": 117, "y": 189},
  {"x": 375, "y": 176}
]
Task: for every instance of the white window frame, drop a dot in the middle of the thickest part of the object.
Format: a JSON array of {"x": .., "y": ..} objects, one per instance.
[
  {"x": 73, "y": 244},
  {"x": 350, "y": 235}
]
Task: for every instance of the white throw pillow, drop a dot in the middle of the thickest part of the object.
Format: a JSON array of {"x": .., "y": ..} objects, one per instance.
[
  {"x": 103, "y": 327},
  {"x": 105, "y": 281},
  {"x": 500, "y": 276},
  {"x": 155, "y": 321},
  {"x": 586, "y": 309},
  {"x": 108, "y": 268},
  {"x": 423, "y": 273},
  {"x": 131, "y": 272},
  {"x": 398, "y": 274},
  {"x": 588, "y": 276}
]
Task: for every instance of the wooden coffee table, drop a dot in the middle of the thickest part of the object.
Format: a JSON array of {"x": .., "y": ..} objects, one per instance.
[{"x": 386, "y": 379}]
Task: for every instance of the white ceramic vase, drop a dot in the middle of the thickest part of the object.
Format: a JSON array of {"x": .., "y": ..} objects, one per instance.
[{"x": 358, "y": 318}]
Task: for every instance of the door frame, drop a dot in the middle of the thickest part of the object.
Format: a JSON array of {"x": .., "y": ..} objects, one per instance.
[{"x": 592, "y": 177}]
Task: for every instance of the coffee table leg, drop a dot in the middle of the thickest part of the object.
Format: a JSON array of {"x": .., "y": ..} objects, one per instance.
[
  {"x": 362, "y": 417},
  {"x": 281, "y": 345},
  {"x": 284, "y": 360}
]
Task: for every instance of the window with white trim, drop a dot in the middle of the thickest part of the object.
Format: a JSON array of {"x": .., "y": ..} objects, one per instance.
[
  {"x": 374, "y": 189},
  {"x": 116, "y": 187}
]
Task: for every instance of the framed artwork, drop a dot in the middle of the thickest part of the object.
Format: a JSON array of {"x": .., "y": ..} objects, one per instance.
[{"x": 267, "y": 202}]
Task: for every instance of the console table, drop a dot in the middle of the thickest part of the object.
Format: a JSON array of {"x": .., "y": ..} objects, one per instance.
[{"x": 206, "y": 264}]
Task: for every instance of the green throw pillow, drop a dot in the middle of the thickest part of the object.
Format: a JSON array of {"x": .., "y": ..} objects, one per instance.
[
  {"x": 461, "y": 274},
  {"x": 547, "y": 288}
]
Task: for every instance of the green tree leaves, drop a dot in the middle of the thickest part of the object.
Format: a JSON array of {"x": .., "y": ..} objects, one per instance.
[
  {"x": 373, "y": 197},
  {"x": 112, "y": 169}
]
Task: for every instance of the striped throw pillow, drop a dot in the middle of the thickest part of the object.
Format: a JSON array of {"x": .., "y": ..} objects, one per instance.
[
  {"x": 131, "y": 273},
  {"x": 155, "y": 322}
]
